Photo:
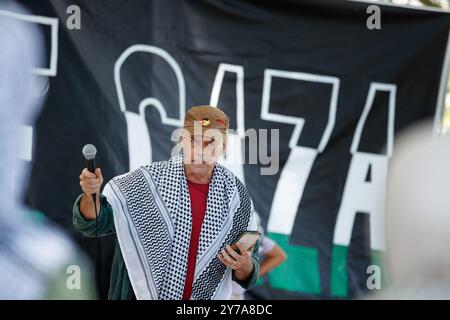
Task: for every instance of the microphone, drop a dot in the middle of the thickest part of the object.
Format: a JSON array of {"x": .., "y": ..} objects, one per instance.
[{"x": 89, "y": 152}]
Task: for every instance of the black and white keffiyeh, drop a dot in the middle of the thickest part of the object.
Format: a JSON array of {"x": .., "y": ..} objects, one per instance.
[{"x": 152, "y": 216}]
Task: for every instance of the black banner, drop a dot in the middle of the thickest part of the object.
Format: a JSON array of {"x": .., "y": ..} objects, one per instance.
[{"x": 336, "y": 89}]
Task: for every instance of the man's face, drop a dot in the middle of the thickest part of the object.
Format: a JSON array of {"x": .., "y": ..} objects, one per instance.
[{"x": 202, "y": 151}]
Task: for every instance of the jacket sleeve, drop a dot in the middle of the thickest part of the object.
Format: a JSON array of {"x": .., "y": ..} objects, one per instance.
[{"x": 105, "y": 219}]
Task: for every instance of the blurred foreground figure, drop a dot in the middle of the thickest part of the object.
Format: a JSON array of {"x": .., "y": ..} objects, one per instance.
[
  {"x": 36, "y": 260},
  {"x": 418, "y": 218}
]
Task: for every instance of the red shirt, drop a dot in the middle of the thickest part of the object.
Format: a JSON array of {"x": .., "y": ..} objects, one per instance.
[{"x": 199, "y": 194}]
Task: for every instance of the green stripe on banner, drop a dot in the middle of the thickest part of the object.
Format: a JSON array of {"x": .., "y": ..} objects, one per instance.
[
  {"x": 300, "y": 272},
  {"x": 339, "y": 278},
  {"x": 378, "y": 259}
]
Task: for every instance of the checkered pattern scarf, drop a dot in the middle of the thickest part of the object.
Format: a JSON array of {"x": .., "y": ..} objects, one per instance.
[{"x": 152, "y": 214}]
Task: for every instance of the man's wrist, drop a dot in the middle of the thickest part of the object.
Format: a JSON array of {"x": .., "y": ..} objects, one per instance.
[{"x": 244, "y": 275}]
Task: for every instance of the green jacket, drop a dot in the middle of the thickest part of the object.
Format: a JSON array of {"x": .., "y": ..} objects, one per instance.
[{"x": 120, "y": 286}]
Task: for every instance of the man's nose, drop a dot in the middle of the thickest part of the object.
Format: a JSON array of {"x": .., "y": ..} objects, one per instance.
[{"x": 198, "y": 152}]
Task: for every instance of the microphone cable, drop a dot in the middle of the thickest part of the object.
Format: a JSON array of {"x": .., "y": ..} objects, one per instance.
[{"x": 97, "y": 244}]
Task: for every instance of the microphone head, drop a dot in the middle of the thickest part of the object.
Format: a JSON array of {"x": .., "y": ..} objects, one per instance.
[{"x": 89, "y": 151}]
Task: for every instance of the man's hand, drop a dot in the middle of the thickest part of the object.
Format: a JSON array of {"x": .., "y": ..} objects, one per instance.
[
  {"x": 241, "y": 262},
  {"x": 90, "y": 183}
]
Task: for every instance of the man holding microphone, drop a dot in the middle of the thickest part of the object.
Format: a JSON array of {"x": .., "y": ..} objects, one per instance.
[{"x": 175, "y": 220}]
